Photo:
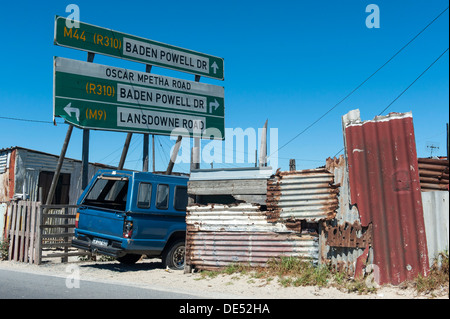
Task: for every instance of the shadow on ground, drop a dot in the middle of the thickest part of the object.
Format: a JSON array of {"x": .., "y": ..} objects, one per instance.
[{"x": 145, "y": 264}]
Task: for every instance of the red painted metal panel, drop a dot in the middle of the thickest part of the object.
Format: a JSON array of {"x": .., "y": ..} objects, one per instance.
[{"x": 384, "y": 184}]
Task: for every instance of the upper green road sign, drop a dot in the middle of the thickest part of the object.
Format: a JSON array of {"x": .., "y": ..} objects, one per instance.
[
  {"x": 100, "y": 40},
  {"x": 95, "y": 96}
]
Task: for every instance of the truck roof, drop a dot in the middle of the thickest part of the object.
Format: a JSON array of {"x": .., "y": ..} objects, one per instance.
[{"x": 139, "y": 175}]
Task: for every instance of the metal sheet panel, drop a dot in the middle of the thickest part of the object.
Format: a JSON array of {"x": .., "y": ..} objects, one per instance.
[
  {"x": 340, "y": 255},
  {"x": 217, "y": 174},
  {"x": 303, "y": 195},
  {"x": 384, "y": 184},
  {"x": 434, "y": 174},
  {"x": 211, "y": 250},
  {"x": 435, "y": 212},
  {"x": 241, "y": 217},
  {"x": 219, "y": 235}
]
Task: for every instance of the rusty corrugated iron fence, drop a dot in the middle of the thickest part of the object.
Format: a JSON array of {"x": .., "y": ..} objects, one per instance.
[{"x": 385, "y": 187}]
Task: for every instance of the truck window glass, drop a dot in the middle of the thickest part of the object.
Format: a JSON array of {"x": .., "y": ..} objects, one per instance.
[
  {"x": 144, "y": 195},
  {"x": 162, "y": 196},
  {"x": 180, "y": 201},
  {"x": 108, "y": 193}
]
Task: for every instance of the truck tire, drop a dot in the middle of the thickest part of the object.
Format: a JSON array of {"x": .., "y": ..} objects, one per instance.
[
  {"x": 173, "y": 256},
  {"x": 129, "y": 259}
]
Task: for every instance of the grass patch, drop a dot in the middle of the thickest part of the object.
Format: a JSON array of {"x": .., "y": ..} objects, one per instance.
[
  {"x": 437, "y": 278},
  {"x": 297, "y": 272},
  {"x": 4, "y": 250}
]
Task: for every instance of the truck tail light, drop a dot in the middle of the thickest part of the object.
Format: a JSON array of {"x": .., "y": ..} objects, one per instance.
[
  {"x": 77, "y": 218},
  {"x": 127, "y": 229}
]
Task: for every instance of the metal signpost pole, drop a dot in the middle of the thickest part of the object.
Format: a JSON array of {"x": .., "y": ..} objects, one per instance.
[
  {"x": 196, "y": 148},
  {"x": 148, "y": 69},
  {"x": 85, "y": 148}
]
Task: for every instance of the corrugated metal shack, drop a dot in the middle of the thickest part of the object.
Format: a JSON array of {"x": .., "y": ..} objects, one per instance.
[
  {"x": 362, "y": 209},
  {"x": 24, "y": 171},
  {"x": 250, "y": 216}
]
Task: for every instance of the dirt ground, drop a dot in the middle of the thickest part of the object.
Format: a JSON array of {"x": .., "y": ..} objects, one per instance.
[{"x": 149, "y": 273}]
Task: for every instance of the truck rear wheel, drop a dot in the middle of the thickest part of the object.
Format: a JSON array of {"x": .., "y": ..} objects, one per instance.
[
  {"x": 129, "y": 259},
  {"x": 173, "y": 256}
]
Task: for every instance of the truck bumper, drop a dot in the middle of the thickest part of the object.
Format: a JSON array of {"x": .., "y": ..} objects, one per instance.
[{"x": 86, "y": 244}]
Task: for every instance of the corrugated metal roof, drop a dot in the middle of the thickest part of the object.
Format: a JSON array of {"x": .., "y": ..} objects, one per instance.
[{"x": 384, "y": 184}]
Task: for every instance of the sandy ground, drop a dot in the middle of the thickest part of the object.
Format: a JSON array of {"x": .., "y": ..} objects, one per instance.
[{"x": 148, "y": 273}]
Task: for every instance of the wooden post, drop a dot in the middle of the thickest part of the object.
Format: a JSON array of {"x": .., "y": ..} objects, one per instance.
[
  {"x": 125, "y": 151},
  {"x": 153, "y": 153},
  {"x": 448, "y": 141},
  {"x": 292, "y": 166},
  {"x": 85, "y": 159},
  {"x": 174, "y": 155},
  {"x": 65, "y": 259},
  {"x": 145, "y": 153},
  {"x": 52, "y": 190},
  {"x": 263, "y": 147},
  {"x": 39, "y": 223}
]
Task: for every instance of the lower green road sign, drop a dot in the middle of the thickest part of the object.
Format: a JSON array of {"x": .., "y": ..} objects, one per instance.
[{"x": 101, "y": 97}]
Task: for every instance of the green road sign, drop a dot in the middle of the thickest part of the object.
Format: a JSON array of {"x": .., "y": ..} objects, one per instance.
[
  {"x": 95, "y": 39},
  {"x": 95, "y": 96}
]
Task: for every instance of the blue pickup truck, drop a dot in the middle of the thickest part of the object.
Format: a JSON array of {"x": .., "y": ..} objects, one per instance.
[{"x": 127, "y": 214}]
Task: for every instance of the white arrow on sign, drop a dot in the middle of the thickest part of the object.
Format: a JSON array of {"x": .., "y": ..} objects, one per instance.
[
  {"x": 214, "y": 104},
  {"x": 69, "y": 109},
  {"x": 215, "y": 67}
]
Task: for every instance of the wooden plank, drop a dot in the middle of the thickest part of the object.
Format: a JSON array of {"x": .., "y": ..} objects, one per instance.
[
  {"x": 253, "y": 199},
  {"x": 16, "y": 233},
  {"x": 38, "y": 250},
  {"x": 65, "y": 255},
  {"x": 12, "y": 226},
  {"x": 33, "y": 233},
  {"x": 228, "y": 187},
  {"x": 54, "y": 206},
  {"x": 66, "y": 229},
  {"x": 26, "y": 225},
  {"x": 57, "y": 245},
  {"x": 59, "y": 216},
  {"x": 68, "y": 234},
  {"x": 58, "y": 226}
]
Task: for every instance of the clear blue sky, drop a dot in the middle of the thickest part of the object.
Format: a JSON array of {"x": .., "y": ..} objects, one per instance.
[{"x": 285, "y": 61}]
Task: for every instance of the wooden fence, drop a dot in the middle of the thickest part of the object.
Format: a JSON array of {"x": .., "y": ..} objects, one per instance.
[{"x": 37, "y": 231}]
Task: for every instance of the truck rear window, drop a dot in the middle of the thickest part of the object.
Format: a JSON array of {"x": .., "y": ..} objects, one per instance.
[{"x": 110, "y": 193}]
